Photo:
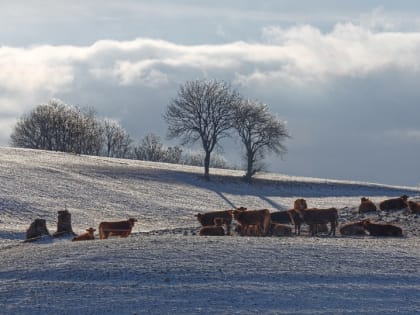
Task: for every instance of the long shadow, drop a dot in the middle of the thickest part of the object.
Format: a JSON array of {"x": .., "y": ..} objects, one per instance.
[
  {"x": 224, "y": 184},
  {"x": 18, "y": 208}
]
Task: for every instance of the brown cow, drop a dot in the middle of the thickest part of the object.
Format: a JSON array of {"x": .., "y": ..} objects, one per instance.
[
  {"x": 212, "y": 231},
  {"x": 121, "y": 228},
  {"x": 299, "y": 204},
  {"x": 277, "y": 229},
  {"x": 284, "y": 217},
  {"x": 320, "y": 216},
  {"x": 414, "y": 206},
  {"x": 85, "y": 236},
  {"x": 353, "y": 228},
  {"x": 318, "y": 228},
  {"x": 376, "y": 229},
  {"x": 248, "y": 230},
  {"x": 394, "y": 204},
  {"x": 261, "y": 218},
  {"x": 207, "y": 219},
  {"x": 366, "y": 205}
]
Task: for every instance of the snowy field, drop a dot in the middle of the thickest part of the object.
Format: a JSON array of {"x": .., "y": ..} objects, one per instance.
[{"x": 164, "y": 268}]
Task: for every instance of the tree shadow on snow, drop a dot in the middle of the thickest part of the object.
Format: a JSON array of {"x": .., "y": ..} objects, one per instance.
[{"x": 260, "y": 187}]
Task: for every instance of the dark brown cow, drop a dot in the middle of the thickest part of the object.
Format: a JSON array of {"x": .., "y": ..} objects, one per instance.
[
  {"x": 284, "y": 217},
  {"x": 297, "y": 220},
  {"x": 85, "y": 236},
  {"x": 261, "y": 218},
  {"x": 414, "y": 206},
  {"x": 277, "y": 229},
  {"x": 394, "y": 204},
  {"x": 207, "y": 219},
  {"x": 353, "y": 228},
  {"x": 121, "y": 228},
  {"x": 376, "y": 229},
  {"x": 248, "y": 230},
  {"x": 212, "y": 231},
  {"x": 366, "y": 205},
  {"x": 320, "y": 216},
  {"x": 318, "y": 228}
]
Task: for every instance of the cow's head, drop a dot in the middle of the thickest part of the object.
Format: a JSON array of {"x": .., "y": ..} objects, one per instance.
[
  {"x": 132, "y": 220},
  {"x": 363, "y": 199},
  {"x": 404, "y": 197},
  {"x": 90, "y": 230},
  {"x": 300, "y": 204}
]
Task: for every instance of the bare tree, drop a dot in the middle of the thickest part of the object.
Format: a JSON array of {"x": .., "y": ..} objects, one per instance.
[
  {"x": 260, "y": 132},
  {"x": 117, "y": 141},
  {"x": 202, "y": 110},
  {"x": 150, "y": 149}
]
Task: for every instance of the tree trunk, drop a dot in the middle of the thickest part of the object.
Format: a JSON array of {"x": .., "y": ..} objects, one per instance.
[
  {"x": 64, "y": 224},
  {"x": 207, "y": 166},
  {"x": 250, "y": 166},
  {"x": 37, "y": 229}
]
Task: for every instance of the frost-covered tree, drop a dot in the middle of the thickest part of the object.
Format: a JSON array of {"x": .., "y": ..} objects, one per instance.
[
  {"x": 117, "y": 141},
  {"x": 59, "y": 127},
  {"x": 260, "y": 132},
  {"x": 202, "y": 111},
  {"x": 150, "y": 149}
]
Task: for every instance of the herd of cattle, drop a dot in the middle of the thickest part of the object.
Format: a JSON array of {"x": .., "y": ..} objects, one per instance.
[{"x": 264, "y": 223}]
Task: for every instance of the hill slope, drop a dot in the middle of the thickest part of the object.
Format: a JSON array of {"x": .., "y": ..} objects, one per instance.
[
  {"x": 170, "y": 271},
  {"x": 39, "y": 183}
]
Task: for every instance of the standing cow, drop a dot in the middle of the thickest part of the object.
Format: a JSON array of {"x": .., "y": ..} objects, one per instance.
[
  {"x": 261, "y": 218},
  {"x": 313, "y": 217},
  {"x": 121, "y": 228}
]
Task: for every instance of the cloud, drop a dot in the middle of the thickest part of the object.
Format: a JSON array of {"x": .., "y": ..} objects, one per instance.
[
  {"x": 296, "y": 54},
  {"x": 353, "y": 76}
]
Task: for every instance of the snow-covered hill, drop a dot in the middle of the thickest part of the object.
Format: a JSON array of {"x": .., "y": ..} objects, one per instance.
[{"x": 163, "y": 268}]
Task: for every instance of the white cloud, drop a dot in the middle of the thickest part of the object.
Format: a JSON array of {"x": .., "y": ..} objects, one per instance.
[{"x": 300, "y": 55}]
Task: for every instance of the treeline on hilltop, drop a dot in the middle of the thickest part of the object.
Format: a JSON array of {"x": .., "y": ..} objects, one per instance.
[
  {"x": 204, "y": 111},
  {"x": 57, "y": 126}
]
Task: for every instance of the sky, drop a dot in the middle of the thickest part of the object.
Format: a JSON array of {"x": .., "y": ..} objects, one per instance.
[{"x": 344, "y": 76}]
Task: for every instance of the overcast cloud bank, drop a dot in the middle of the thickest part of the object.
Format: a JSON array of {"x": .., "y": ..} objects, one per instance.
[{"x": 311, "y": 78}]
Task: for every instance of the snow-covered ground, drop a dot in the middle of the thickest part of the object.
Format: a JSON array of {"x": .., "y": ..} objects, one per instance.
[{"x": 164, "y": 268}]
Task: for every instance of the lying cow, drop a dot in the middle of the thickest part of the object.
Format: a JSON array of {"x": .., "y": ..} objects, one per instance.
[
  {"x": 320, "y": 216},
  {"x": 248, "y": 230},
  {"x": 85, "y": 236},
  {"x": 121, "y": 228},
  {"x": 376, "y": 229},
  {"x": 277, "y": 229},
  {"x": 261, "y": 218},
  {"x": 394, "y": 204},
  {"x": 212, "y": 231},
  {"x": 318, "y": 228},
  {"x": 353, "y": 228},
  {"x": 366, "y": 206},
  {"x": 414, "y": 206},
  {"x": 207, "y": 219}
]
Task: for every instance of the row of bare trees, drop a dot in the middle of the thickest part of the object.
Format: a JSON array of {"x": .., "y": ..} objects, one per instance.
[
  {"x": 203, "y": 111},
  {"x": 57, "y": 126},
  {"x": 207, "y": 111}
]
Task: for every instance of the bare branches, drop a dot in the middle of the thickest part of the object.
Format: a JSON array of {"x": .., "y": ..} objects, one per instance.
[
  {"x": 203, "y": 110},
  {"x": 260, "y": 133}
]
